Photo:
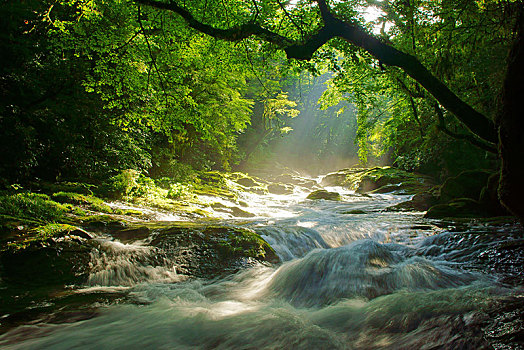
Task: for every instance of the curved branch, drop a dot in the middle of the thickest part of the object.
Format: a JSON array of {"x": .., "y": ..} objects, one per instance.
[
  {"x": 236, "y": 33},
  {"x": 470, "y": 138},
  {"x": 476, "y": 122}
]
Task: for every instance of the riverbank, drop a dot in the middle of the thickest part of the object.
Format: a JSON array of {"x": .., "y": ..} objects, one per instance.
[{"x": 325, "y": 262}]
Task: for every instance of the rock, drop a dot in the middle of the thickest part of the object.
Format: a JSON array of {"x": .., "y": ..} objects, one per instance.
[
  {"x": 420, "y": 202},
  {"x": 458, "y": 208},
  {"x": 340, "y": 178},
  {"x": 355, "y": 211},
  {"x": 323, "y": 194},
  {"x": 59, "y": 262},
  {"x": 103, "y": 222},
  {"x": 236, "y": 211},
  {"x": 296, "y": 180},
  {"x": 279, "y": 189},
  {"x": 209, "y": 251},
  {"x": 247, "y": 182},
  {"x": 378, "y": 180},
  {"x": 130, "y": 234},
  {"x": 489, "y": 196},
  {"x": 467, "y": 184}
]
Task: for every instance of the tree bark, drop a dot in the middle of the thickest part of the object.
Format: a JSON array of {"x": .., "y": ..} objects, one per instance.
[{"x": 511, "y": 128}]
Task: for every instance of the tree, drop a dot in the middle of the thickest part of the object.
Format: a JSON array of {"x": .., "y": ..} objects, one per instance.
[{"x": 336, "y": 22}]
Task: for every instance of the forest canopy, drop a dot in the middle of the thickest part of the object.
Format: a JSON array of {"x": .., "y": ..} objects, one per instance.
[{"x": 92, "y": 87}]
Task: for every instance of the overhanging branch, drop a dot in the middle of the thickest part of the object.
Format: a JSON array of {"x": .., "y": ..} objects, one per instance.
[{"x": 476, "y": 122}]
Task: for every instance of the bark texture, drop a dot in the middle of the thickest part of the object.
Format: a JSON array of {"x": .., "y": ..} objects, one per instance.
[{"x": 511, "y": 129}]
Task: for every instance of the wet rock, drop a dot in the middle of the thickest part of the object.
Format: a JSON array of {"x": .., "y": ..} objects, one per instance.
[
  {"x": 355, "y": 212},
  {"x": 467, "y": 184},
  {"x": 130, "y": 234},
  {"x": 323, "y": 194},
  {"x": 458, "y": 208},
  {"x": 64, "y": 261},
  {"x": 420, "y": 202},
  {"x": 247, "y": 182},
  {"x": 208, "y": 251},
  {"x": 103, "y": 222},
  {"x": 296, "y": 180},
  {"x": 279, "y": 189},
  {"x": 378, "y": 179},
  {"x": 236, "y": 211}
]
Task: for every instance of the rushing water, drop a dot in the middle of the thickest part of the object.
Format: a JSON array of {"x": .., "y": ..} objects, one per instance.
[{"x": 377, "y": 279}]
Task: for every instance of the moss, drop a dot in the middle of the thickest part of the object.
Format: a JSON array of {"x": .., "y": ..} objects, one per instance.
[
  {"x": 323, "y": 194},
  {"x": 93, "y": 203},
  {"x": 467, "y": 184},
  {"x": 32, "y": 206},
  {"x": 355, "y": 211},
  {"x": 76, "y": 187},
  {"x": 128, "y": 212},
  {"x": 378, "y": 179},
  {"x": 39, "y": 235},
  {"x": 242, "y": 243},
  {"x": 460, "y": 208},
  {"x": 101, "y": 222}
]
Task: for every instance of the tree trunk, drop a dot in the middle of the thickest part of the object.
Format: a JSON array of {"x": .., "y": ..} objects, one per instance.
[{"x": 511, "y": 129}]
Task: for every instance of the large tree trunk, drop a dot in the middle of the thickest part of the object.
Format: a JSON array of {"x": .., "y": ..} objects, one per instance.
[{"x": 511, "y": 129}]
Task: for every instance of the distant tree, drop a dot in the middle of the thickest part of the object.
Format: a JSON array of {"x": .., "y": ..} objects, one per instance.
[{"x": 302, "y": 30}]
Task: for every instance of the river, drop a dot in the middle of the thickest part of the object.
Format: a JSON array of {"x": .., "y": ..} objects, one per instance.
[{"x": 352, "y": 276}]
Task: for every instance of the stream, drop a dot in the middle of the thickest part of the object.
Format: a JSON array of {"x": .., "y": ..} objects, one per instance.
[{"x": 352, "y": 276}]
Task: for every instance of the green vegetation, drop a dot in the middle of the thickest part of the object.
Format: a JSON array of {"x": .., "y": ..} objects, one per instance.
[
  {"x": 32, "y": 206},
  {"x": 379, "y": 180},
  {"x": 140, "y": 97}
]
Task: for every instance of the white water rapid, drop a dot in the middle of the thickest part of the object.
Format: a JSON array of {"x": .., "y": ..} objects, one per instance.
[{"x": 352, "y": 276}]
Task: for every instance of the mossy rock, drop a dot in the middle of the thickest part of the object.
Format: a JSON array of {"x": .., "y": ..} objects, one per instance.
[
  {"x": 215, "y": 178},
  {"x": 210, "y": 250},
  {"x": 388, "y": 179},
  {"x": 296, "y": 180},
  {"x": 58, "y": 263},
  {"x": 276, "y": 188},
  {"x": 341, "y": 177},
  {"x": 93, "y": 203},
  {"x": 323, "y": 194},
  {"x": 458, "y": 208},
  {"x": 247, "y": 182},
  {"x": 105, "y": 222},
  {"x": 379, "y": 180},
  {"x": 468, "y": 184},
  {"x": 32, "y": 206},
  {"x": 420, "y": 202},
  {"x": 235, "y": 211},
  {"x": 354, "y": 212},
  {"x": 76, "y": 187}
]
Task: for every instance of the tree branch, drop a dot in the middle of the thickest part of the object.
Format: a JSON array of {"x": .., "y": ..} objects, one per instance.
[
  {"x": 470, "y": 138},
  {"x": 236, "y": 33},
  {"x": 476, "y": 122}
]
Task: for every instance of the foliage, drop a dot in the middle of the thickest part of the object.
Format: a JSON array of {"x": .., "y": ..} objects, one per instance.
[
  {"x": 32, "y": 206},
  {"x": 92, "y": 202}
]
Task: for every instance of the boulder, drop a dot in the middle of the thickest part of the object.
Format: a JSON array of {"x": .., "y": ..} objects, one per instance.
[
  {"x": 247, "y": 182},
  {"x": 53, "y": 262},
  {"x": 458, "y": 208},
  {"x": 208, "y": 251},
  {"x": 468, "y": 184},
  {"x": 378, "y": 180},
  {"x": 323, "y": 194},
  {"x": 420, "y": 202},
  {"x": 489, "y": 196},
  {"x": 279, "y": 189}
]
